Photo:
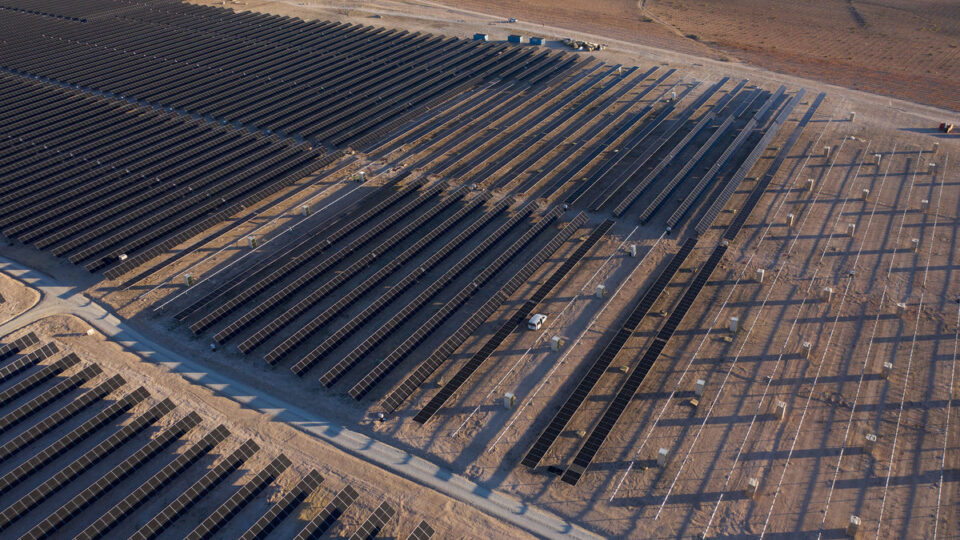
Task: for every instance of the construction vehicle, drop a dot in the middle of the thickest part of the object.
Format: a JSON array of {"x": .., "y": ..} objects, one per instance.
[
  {"x": 946, "y": 128},
  {"x": 579, "y": 45}
]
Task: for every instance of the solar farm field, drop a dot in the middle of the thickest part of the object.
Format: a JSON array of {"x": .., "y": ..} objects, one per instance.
[{"x": 542, "y": 292}]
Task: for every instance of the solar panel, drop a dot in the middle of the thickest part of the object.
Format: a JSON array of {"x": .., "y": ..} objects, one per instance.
[
  {"x": 179, "y": 506},
  {"x": 71, "y": 439},
  {"x": 606, "y": 356},
  {"x": 95, "y": 455},
  {"x": 284, "y": 507},
  {"x": 355, "y": 293},
  {"x": 329, "y": 515},
  {"x": 27, "y": 360},
  {"x": 720, "y": 200},
  {"x": 338, "y": 370},
  {"x": 324, "y": 266},
  {"x": 728, "y": 152},
  {"x": 461, "y": 377},
  {"x": 375, "y": 523},
  {"x": 139, "y": 496},
  {"x": 17, "y": 345},
  {"x": 423, "y": 532},
  {"x": 314, "y": 356},
  {"x": 628, "y": 389},
  {"x": 56, "y": 419},
  {"x": 213, "y": 523},
  {"x": 342, "y": 276},
  {"x": 36, "y": 404},
  {"x": 754, "y": 198}
]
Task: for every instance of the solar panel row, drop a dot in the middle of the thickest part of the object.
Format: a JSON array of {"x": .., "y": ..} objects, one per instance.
[
  {"x": 521, "y": 315},
  {"x": 284, "y": 507},
  {"x": 107, "y": 184},
  {"x": 342, "y": 276},
  {"x": 628, "y": 389},
  {"x": 21, "y": 413},
  {"x": 375, "y": 523},
  {"x": 424, "y": 239},
  {"x": 720, "y": 200},
  {"x": 177, "y": 59},
  {"x": 437, "y": 285},
  {"x": 198, "y": 490},
  {"x": 329, "y": 515},
  {"x": 741, "y": 218},
  {"x": 631, "y": 173},
  {"x": 294, "y": 259},
  {"x": 48, "y": 424},
  {"x": 606, "y": 356},
  {"x": 232, "y": 506},
  {"x": 325, "y": 265},
  {"x": 55, "y": 483},
  {"x": 315, "y": 355},
  {"x": 9, "y": 349}
]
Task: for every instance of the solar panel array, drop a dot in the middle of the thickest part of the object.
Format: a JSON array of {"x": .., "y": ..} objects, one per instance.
[
  {"x": 320, "y": 269},
  {"x": 209, "y": 527},
  {"x": 423, "y": 532},
  {"x": 368, "y": 284},
  {"x": 110, "y": 185},
  {"x": 240, "y": 293},
  {"x": 741, "y": 218},
  {"x": 721, "y": 199},
  {"x": 74, "y": 461},
  {"x": 329, "y": 515},
  {"x": 21, "y": 343},
  {"x": 625, "y": 394},
  {"x": 705, "y": 120},
  {"x": 284, "y": 507},
  {"x": 399, "y": 353},
  {"x": 606, "y": 356},
  {"x": 374, "y": 524},
  {"x": 326, "y": 81},
  {"x": 314, "y": 356},
  {"x": 630, "y": 174},
  {"x": 201, "y": 487},
  {"x": 521, "y": 315},
  {"x": 378, "y": 336},
  {"x": 16, "y": 366},
  {"x": 734, "y": 145}
]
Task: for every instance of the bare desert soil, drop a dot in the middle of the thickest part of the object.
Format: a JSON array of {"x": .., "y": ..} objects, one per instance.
[
  {"x": 901, "y": 48},
  {"x": 451, "y": 519},
  {"x": 17, "y": 298}
]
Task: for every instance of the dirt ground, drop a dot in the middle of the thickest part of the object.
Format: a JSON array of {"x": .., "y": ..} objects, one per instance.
[
  {"x": 451, "y": 519},
  {"x": 17, "y": 297},
  {"x": 901, "y": 48}
]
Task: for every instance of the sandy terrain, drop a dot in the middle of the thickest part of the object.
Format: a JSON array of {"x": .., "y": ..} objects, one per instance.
[
  {"x": 451, "y": 519},
  {"x": 904, "y": 49},
  {"x": 17, "y": 298}
]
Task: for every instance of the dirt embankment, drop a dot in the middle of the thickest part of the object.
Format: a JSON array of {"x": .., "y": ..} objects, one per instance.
[{"x": 16, "y": 298}]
